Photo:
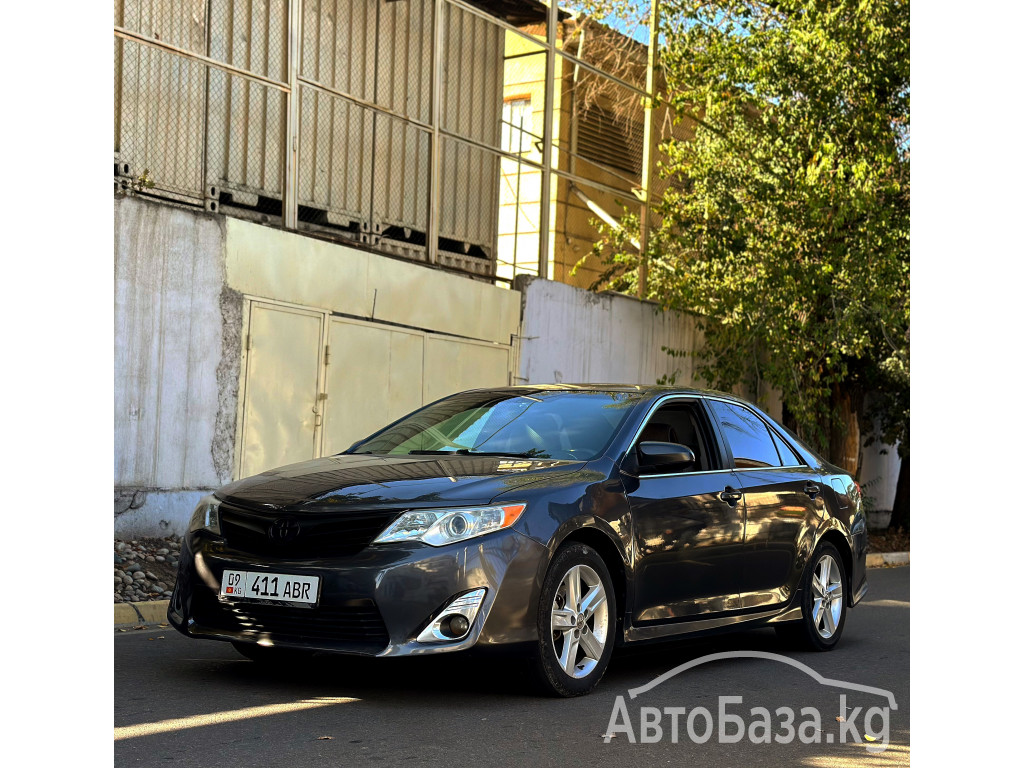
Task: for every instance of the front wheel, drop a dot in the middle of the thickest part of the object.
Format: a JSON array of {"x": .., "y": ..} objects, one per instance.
[
  {"x": 823, "y": 603},
  {"x": 576, "y": 622}
]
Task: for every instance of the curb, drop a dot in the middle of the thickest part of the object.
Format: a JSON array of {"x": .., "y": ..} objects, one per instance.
[
  {"x": 883, "y": 559},
  {"x": 149, "y": 612}
]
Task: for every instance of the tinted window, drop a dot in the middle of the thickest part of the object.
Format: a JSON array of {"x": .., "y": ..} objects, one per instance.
[
  {"x": 680, "y": 423},
  {"x": 751, "y": 443},
  {"x": 543, "y": 425},
  {"x": 789, "y": 459}
]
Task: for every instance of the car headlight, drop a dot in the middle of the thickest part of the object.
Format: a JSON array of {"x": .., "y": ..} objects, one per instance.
[
  {"x": 206, "y": 517},
  {"x": 438, "y": 527}
]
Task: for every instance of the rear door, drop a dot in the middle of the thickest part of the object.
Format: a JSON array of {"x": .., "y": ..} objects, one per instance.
[
  {"x": 783, "y": 504},
  {"x": 688, "y": 525}
]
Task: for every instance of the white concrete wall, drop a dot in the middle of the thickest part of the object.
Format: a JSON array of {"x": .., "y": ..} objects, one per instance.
[
  {"x": 574, "y": 336},
  {"x": 168, "y": 280}
]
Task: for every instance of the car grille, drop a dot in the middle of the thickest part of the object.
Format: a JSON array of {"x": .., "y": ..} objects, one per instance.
[
  {"x": 356, "y": 623},
  {"x": 319, "y": 534}
]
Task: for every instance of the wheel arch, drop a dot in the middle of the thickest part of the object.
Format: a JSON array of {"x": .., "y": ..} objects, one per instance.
[
  {"x": 838, "y": 540},
  {"x": 612, "y": 557}
]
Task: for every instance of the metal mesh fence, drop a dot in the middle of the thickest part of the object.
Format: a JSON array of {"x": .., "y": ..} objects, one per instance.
[
  {"x": 348, "y": 118},
  {"x": 160, "y": 113}
]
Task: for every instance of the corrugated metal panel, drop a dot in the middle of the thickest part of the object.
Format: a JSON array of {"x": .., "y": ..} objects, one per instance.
[
  {"x": 403, "y": 85},
  {"x": 337, "y": 44},
  {"x": 335, "y": 165},
  {"x": 246, "y": 134},
  {"x": 335, "y": 168},
  {"x": 182, "y": 23},
  {"x": 404, "y": 54},
  {"x": 401, "y": 176},
  {"x": 473, "y": 69},
  {"x": 159, "y": 97},
  {"x": 161, "y": 118}
]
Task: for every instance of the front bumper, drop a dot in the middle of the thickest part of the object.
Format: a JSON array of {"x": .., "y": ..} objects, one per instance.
[{"x": 374, "y": 603}]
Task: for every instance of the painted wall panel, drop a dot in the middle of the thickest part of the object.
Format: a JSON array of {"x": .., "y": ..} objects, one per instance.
[
  {"x": 281, "y": 386},
  {"x": 451, "y": 366},
  {"x": 374, "y": 377},
  {"x": 274, "y": 264}
]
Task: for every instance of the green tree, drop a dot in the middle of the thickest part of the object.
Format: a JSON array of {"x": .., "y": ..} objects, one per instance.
[{"x": 788, "y": 230}]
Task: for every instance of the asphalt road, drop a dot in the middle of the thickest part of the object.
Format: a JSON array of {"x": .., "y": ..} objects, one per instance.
[{"x": 198, "y": 703}]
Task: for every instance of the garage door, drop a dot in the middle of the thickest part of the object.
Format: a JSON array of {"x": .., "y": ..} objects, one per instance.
[
  {"x": 314, "y": 383},
  {"x": 282, "y": 377}
]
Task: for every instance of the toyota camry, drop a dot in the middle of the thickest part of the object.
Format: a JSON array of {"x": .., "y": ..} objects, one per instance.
[{"x": 556, "y": 522}]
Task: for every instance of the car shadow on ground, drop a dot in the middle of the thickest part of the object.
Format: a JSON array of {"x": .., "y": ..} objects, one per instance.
[{"x": 464, "y": 674}]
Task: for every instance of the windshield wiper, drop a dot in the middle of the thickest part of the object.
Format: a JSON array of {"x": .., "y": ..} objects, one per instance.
[{"x": 467, "y": 452}]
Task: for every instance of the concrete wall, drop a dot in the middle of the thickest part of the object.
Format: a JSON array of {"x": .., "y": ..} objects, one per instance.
[
  {"x": 174, "y": 322},
  {"x": 181, "y": 278},
  {"x": 574, "y": 336}
]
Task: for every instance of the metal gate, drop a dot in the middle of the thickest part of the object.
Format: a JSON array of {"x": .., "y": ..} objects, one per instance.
[{"x": 313, "y": 383}]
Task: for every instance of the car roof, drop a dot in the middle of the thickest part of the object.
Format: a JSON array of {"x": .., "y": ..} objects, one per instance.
[{"x": 650, "y": 390}]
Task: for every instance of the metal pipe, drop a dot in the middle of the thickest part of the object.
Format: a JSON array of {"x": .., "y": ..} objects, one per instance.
[
  {"x": 425, "y": 127},
  {"x": 543, "y": 255},
  {"x": 538, "y": 166},
  {"x": 434, "y": 214},
  {"x": 574, "y": 59},
  {"x": 290, "y": 198},
  {"x": 601, "y": 213},
  {"x": 645, "y": 177},
  {"x": 128, "y": 35}
]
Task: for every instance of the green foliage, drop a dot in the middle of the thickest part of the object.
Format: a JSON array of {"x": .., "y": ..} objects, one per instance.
[
  {"x": 143, "y": 181},
  {"x": 792, "y": 238}
]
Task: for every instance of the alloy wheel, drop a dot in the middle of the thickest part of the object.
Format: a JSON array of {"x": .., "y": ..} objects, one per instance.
[
  {"x": 827, "y": 593},
  {"x": 579, "y": 621}
]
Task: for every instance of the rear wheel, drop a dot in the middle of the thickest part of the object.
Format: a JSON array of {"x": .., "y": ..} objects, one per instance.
[
  {"x": 576, "y": 622},
  {"x": 823, "y": 603}
]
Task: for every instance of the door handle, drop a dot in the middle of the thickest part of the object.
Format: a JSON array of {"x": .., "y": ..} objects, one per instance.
[
  {"x": 811, "y": 490},
  {"x": 730, "y": 496}
]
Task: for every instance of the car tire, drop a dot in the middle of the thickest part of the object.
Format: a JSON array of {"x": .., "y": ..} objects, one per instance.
[
  {"x": 823, "y": 605},
  {"x": 271, "y": 656},
  {"x": 576, "y": 622}
]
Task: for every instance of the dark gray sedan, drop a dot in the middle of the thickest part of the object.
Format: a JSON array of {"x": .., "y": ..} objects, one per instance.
[{"x": 553, "y": 521}]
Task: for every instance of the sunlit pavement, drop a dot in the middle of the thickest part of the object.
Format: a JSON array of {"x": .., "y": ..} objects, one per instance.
[{"x": 199, "y": 703}]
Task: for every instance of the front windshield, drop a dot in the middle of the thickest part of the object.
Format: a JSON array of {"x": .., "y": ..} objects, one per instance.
[{"x": 542, "y": 425}]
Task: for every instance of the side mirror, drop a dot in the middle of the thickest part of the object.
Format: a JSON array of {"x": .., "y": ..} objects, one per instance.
[{"x": 654, "y": 455}]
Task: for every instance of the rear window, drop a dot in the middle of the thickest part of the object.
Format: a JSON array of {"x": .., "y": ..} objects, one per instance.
[{"x": 748, "y": 437}]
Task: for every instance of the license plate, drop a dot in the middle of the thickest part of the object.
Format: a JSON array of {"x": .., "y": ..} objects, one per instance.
[{"x": 275, "y": 587}]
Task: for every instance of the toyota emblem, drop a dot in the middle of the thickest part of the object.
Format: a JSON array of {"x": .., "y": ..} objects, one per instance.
[{"x": 283, "y": 530}]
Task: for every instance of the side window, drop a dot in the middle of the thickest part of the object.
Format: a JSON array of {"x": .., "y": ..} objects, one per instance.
[
  {"x": 682, "y": 423},
  {"x": 751, "y": 442},
  {"x": 789, "y": 459}
]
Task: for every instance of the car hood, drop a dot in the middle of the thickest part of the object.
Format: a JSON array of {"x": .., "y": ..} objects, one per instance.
[{"x": 378, "y": 482}]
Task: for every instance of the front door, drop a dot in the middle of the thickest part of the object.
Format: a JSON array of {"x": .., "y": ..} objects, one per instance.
[{"x": 688, "y": 524}]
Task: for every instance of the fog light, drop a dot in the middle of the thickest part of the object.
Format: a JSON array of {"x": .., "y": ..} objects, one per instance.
[
  {"x": 455, "y": 621},
  {"x": 455, "y": 626}
]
